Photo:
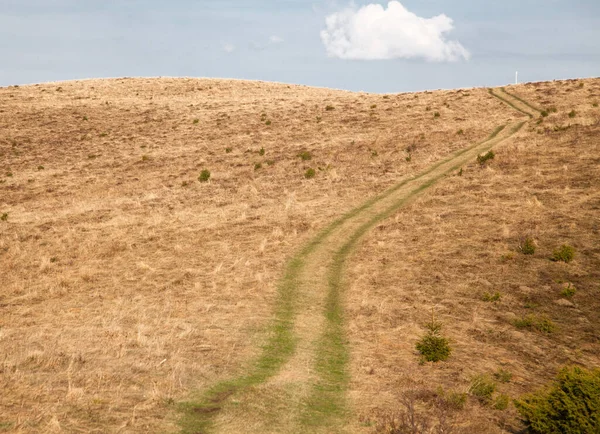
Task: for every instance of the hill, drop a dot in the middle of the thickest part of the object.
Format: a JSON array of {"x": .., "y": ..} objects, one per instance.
[{"x": 287, "y": 291}]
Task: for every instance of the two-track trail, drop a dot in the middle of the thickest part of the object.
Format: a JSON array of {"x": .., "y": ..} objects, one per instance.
[{"x": 298, "y": 383}]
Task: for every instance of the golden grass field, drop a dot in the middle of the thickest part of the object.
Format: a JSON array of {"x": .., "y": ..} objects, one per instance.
[{"x": 128, "y": 285}]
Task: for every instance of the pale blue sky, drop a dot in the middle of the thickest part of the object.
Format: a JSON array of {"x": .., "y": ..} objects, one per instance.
[{"x": 279, "y": 40}]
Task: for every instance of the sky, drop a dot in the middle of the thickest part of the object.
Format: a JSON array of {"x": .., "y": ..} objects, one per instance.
[{"x": 372, "y": 46}]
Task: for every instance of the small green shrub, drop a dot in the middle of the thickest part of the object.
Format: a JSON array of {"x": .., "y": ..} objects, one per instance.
[
  {"x": 572, "y": 114},
  {"x": 564, "y": 253},
  {"x": 85, "y": 118},
  {"x": 228, "y": 150},
  {"x": 527, "y": 246},
  {"x": 329, "y": 108},
  {"x": 270, "y": 162},
  {"x": 257, "y": 166},
  {"x": 544, "y": 113},
  {"x": 503, "y": 376},
  {"x": 305, "y": 155},
  {"x": 569, "y": 291},
  {"x": 482, "y": 387},
  {"x": 374, "y": 106},
  {"x": 103, "y": 134},
  {"x": 483, "y": 159},
  {"x": 460, "y": 172},
  {"x": 40, "y": 167},
  {"x": 436, "y": 115},
  {"x": 427, "y": 108},
  {"x": 501, "y": 402},
  {"x": 268, "y": 123},
  {"x": 595, "y": 104},
  {"x": 204, "y": 175},
  {"x": 310, "y": 173},
  {"x": 145, "y": 158},
  {"x": 433, "y": 347},
  {"x": 460, "y": 132},
  {"x": 496, "y": 296},
  {"x": 536, "y": 322},
  {"x": 4, "y": 217},
  {"x": 9, "y": 174},
  {"x": 408, "y": 158},
  {"x": 261, "y": 152},
  {"x": 196, "y": 121},
  {"x": 570, "y": 405}
]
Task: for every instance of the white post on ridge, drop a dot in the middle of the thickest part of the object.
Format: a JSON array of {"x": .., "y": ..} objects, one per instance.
[{"x": 517, "y": 77}]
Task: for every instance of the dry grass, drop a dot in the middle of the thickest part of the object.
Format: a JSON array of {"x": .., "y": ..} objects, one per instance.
[
  {"x": 461, "y": 242},
  {"x": 127, "y": 283},
  {"x": 559, "y": 98}
]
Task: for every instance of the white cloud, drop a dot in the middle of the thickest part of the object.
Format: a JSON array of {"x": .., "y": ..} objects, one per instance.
[
  {"x": 373, "y": 32},
  {"x": 276, "y": 39},
  {"x": 228, "y": 48}
]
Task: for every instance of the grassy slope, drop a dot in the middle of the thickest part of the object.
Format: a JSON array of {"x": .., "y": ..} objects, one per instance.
[
  {"x": 126, "y": 282},
  {"x": 124, "y": 287},
  {"x": 324, "y": 406},
  {"x": 451, "y": 248}
]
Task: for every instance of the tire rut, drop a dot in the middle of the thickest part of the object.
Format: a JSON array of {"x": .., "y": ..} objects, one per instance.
[{"x": 515, "y": 102}]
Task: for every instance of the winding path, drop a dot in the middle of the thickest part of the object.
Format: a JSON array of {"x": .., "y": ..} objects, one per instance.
[{"x": 299, "y": 381}]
